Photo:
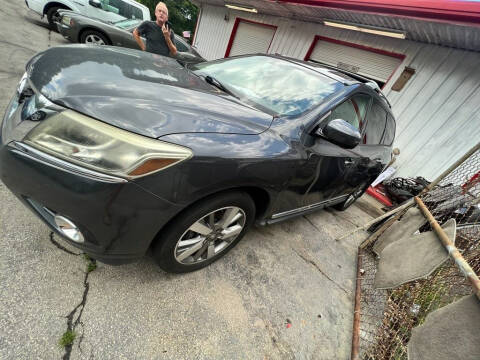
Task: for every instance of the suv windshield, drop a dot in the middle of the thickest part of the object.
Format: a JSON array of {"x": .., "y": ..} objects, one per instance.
[{"x": 274, "y": 84}]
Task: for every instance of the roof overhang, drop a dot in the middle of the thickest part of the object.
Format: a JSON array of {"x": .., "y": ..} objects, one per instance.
[
  {"x": 453, "y": 11},
  {"x": 448, "y": 23}
]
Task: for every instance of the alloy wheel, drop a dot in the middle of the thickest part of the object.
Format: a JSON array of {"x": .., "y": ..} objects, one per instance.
[
  {"x": 210, "y": 235},
  {"x": 94, "y": 39}
]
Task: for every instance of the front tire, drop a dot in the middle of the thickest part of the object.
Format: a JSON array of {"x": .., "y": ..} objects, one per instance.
[
  {"x": 205, "y": 232},
  {"x": 94, "y": 38},
  {"x": 52, "y": 17}
]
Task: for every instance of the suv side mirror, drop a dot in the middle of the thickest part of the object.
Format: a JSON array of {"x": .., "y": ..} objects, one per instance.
[
  {"x": 95, "y": 3},
  {"x": 341, "y": 133}
]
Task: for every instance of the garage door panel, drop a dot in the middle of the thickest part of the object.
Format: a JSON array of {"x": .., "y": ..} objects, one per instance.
[
  {"x": 251, "y": 38},
  {"x": 367, "y": 63}
]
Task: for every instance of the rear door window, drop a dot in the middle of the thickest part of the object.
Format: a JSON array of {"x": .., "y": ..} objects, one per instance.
[
  {"x": 376, "y": 119},
  {"x": 389, "y": 131}
]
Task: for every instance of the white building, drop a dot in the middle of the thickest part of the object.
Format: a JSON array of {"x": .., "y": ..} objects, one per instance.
[{"x": 435, "y": 68}]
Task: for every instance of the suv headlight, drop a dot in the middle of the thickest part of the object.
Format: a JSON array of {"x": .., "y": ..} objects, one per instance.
[
  {"x": 91, "y": 143},
  {"x": 66, "y": 20}
]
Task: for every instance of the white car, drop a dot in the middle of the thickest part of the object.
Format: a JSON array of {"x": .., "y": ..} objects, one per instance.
[{"x": 106, "y": 10}]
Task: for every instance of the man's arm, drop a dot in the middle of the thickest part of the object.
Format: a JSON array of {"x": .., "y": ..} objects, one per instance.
[
  {"x": 168, "y": 38},
  {"x": 138, "y": 39}
]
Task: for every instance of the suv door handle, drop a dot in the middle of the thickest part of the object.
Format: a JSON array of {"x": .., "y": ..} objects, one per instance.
[{"x": 348, "y": 162}]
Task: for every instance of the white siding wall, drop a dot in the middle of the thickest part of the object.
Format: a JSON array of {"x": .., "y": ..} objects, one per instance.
[{"x": 437, "y": 112}]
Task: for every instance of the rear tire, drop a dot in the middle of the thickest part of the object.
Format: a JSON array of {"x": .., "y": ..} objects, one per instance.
[
  {"x": 52, "y": 17},
  {"x": 94, "y": 38},
  {"x": 204, "y": 232}
]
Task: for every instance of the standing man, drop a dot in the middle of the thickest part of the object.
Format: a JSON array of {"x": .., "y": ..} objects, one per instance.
[{"x": 160, "y": 39}]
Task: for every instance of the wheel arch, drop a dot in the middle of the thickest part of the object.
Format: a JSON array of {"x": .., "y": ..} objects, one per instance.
[
  {"x": 61, "y": 5},
  {"x": 260, "y": 197}
]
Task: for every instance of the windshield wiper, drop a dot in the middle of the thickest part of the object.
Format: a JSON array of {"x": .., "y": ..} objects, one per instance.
[{"x": 211, "y": 80}]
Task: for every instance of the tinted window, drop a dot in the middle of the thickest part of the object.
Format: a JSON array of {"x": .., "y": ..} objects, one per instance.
[
  {"x": 389, "y": 131},
  {"x": 376, "y": 118},
  {"x": 361, "y": 103},
  {"x": 352, "y": 111},
  {"x": 180, "y": 46},
  {"x": 277, "y": 86},
  {"x": 122, "y": 8}
]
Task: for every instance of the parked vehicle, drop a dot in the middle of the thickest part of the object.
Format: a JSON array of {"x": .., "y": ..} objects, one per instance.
[
  {"x": 119, "y": 150},
  {"x": 87, "y": 30},
  {"x": 107, "y": 10}
]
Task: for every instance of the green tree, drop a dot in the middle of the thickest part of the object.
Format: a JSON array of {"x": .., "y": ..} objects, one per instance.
[{"x": 182, "y": 14}]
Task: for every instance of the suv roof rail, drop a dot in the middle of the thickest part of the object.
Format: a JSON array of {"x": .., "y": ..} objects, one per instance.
[
  {"x": 373, "y": 85},
  {"x": 346, "y": 72}
]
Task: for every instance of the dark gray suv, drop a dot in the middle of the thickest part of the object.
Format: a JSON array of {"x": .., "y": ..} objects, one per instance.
[{"x": 119, "y": 151}]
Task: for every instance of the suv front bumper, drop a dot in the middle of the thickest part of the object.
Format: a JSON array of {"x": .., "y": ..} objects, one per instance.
[
  {"x": 118, "y": 219},
  {"x": 66, "y": 31}
]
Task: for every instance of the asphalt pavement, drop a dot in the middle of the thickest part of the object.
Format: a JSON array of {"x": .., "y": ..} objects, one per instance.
[{"x": 285, "y": 292}]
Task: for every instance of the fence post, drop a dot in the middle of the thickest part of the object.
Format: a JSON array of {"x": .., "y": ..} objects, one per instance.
[{"x": 356, "y": 313}]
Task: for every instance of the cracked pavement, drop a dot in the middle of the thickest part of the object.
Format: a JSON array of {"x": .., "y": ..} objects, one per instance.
[{"x": 293, "y": 273}]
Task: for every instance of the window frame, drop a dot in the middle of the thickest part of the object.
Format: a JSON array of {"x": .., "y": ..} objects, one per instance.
[{"x": 390, "y": 116}]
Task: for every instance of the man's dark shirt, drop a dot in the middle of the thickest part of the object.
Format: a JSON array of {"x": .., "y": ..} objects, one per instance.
[{"x": 156, "y": 42}]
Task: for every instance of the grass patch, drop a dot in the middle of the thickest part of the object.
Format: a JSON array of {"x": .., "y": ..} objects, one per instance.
[
  {"x": 91, "y": 263},
  {"x": 91, "y": 266},
  {"x": 67, "y": 338}
]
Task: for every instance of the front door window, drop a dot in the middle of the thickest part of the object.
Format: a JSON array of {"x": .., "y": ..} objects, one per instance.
[{"x": 352, "y": 111}]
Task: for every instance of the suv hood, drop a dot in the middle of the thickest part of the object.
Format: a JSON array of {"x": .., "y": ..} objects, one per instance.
[{"x": 144, "y": 93}]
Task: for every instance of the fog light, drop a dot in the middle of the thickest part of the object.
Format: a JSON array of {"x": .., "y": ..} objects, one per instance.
[{"x": 69, "y": 229}]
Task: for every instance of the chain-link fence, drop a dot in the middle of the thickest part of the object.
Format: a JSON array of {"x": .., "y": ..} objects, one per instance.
[{"x": 387, "y": 317}]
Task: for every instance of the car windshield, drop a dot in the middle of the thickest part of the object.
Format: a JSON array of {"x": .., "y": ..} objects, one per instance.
[
  {"x": 281, "y": 87},
  {"x": 127, "y": 23}
]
